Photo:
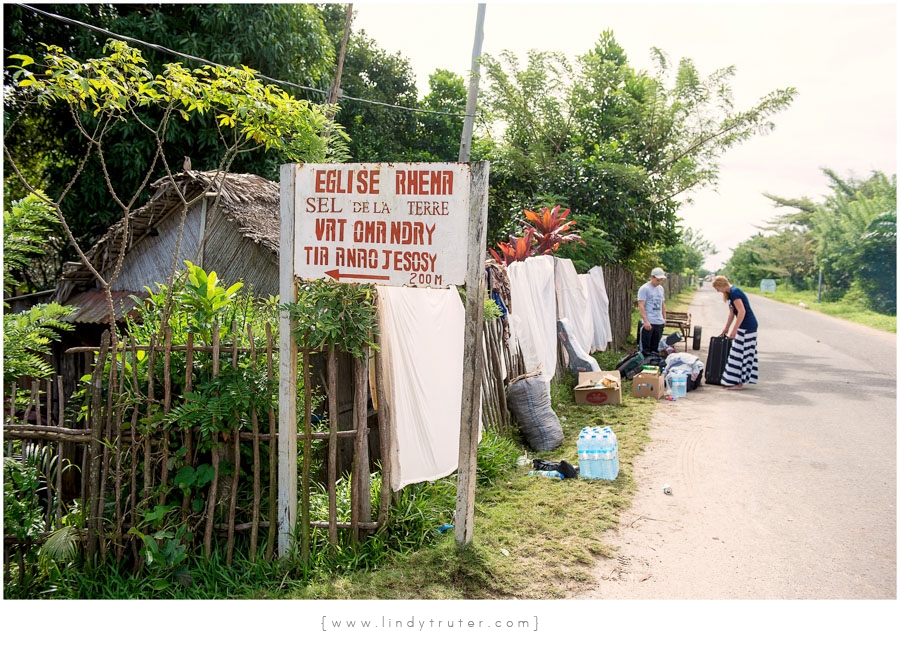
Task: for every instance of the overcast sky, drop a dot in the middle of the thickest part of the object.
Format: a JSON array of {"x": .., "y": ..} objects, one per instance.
[{"x": 841, "y": 58}]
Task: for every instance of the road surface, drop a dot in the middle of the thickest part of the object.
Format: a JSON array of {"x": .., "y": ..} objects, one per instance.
[{"x": 785, "y": 490}]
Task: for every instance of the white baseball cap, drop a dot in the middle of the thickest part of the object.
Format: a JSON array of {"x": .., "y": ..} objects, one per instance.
[{"x": 658, "y": 273}]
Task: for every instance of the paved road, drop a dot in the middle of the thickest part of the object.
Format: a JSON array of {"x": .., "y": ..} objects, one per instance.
[{"x": 786, "y": 490}]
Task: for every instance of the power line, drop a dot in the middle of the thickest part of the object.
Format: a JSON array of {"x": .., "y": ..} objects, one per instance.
[{"x": 170, "y": 52}]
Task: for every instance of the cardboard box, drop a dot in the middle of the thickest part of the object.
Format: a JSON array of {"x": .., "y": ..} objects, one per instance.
[
  {"x": 648, "y": 384},
  {"x": 591, "y": 390}
]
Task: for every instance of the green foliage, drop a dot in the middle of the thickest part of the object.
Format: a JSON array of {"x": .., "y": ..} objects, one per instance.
[
  {"x": 330, "y": 314},
  {"x": 852, "y": 230},
  {"x": 876, "y": 269},
  {"x": 439, "y": 135},
  {"x": 23, "y": 516},
  {"x": 29, "y": 233},
  {"x": 370, "y": 73},
  {"x": 27, "y": 337},
  {"x": 165, "y": 549},
  {"x": 850, "y": 237},
  {"x": 127, "y": 112},
  {"x": 619, "y": 145},
  {"x": 284, "y": 41},
  {"x": 688, "y": 255},
  {"x": 204, "y": 300}
]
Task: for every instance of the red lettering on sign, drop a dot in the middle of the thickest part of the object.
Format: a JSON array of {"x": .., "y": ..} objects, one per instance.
[
  {"x": 347, "y": 181},
  {"x": 423, "y": 183}
]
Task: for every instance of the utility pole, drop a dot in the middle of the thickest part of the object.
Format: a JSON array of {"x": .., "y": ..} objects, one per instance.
[
  {"x": 465, "y": 143},
  {"x": 335, "y": 92},
  {"x": 470, "y": 410}
]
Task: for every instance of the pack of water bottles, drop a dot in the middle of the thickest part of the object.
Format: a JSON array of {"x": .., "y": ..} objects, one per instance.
[{"x": 598, "y": 453}]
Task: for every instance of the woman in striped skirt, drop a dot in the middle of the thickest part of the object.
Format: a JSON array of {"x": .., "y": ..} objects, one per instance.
[{"x": 742, "y": 367}]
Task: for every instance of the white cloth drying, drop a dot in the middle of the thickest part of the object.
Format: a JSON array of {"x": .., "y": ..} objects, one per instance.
[{"x": 422, "y": 334}]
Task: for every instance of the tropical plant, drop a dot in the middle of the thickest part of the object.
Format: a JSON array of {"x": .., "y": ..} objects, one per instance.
[
  {"x": 543, "y": 233},
  {"x": 519, "y": 248},
  {"x": 549, "y": 227},
  {"x": 329, "y": 314},
  {"x": 29, "y": 233},
  {"x": 27, "y": 337}
]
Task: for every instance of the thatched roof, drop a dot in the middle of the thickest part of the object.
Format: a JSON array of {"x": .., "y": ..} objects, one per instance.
[{"x": 249, "y": 201}]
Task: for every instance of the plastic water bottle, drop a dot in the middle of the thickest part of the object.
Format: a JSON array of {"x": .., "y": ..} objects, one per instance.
[
  {"x": 614, "y": 450},
  {"x": 671, "y": 392},
  {"x": 679, "y": 385},
  {"x": 584, "y": 463},
  {"x": 552, "y": 474},
  {"x": 609, "y": 456}
]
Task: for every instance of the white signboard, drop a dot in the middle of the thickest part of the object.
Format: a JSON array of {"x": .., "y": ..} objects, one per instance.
[{"x": 402, "y": 224}]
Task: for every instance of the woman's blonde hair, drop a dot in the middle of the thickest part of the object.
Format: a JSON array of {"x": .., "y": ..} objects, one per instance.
[{"x": 721, "y": 282}]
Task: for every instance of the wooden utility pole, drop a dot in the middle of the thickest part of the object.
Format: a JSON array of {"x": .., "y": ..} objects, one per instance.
[
  {"x": 470, "y": 414},
  {"x": 473, "y": 360},
  {"x": 287, "y": 367},
  {"x": 465, "y": 144},
  {"x": 335, "y": 93}
]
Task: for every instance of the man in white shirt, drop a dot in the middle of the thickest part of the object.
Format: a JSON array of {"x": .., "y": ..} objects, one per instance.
[{"x": 652, "y": 305}]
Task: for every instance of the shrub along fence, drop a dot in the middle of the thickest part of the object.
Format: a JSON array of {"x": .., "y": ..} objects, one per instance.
[{"x": 177, "y": 449}]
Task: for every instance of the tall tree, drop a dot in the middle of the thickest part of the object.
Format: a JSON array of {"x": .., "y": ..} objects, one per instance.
[
  {"x": 621, "y": 145},
  {"x": 283, "y": 41},
  {"x": 379, "y": 133},
  {"x": 108, "y": 94},
  {"x": 849, "y": 226},
  {"x": 440, "y": 129}
]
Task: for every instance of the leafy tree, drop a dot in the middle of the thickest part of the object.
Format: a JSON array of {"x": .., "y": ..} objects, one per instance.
[
  {"x": 688, "y": 255},
  {"x": 620, "y": 145},
  {"x": 380, "y": 134},
  {"x": 846, "y": 232},
  {"x": 285, "y": 41},
  {"x": 439, "y": 135},
  {"x": 876, "y": 265},
  {"x": 105, "y": 93}
]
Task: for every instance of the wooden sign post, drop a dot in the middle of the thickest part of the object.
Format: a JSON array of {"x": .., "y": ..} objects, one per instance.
[{"x": 400, "y": 224}]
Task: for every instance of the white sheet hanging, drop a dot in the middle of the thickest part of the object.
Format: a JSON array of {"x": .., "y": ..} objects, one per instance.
[
  {"x": 573, "y": 305},
  {"x": 422, "y": 334},
  {"x": 532, "y": 320},
  {"x": 598, "y": 299}
]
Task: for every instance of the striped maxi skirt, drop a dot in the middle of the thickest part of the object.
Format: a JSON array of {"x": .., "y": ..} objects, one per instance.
[{"x": 742, "y": 366}]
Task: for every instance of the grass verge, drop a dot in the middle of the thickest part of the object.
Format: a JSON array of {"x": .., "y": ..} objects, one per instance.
[{"x": 850, "y": 308}]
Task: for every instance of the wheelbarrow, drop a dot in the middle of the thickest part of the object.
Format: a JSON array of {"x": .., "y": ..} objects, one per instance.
[{"x": 682, "y": 322}]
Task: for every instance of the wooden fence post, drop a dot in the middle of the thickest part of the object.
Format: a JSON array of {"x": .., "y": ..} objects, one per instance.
[{"x": 472, "y": 356}]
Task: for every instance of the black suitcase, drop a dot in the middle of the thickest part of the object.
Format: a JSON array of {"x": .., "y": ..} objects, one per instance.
[
  {"x": 630, "y": 365},
  {"x": 719, "y": 348}
]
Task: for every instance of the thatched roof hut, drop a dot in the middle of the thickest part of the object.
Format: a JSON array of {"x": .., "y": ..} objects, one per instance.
[{"x": 223, "y": 222}]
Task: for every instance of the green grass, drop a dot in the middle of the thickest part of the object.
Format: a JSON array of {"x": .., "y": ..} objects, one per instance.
[{"x": 850, "y": 308}]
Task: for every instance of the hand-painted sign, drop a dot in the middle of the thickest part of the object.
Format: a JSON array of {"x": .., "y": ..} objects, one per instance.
[{"x": 390, "y": 224}]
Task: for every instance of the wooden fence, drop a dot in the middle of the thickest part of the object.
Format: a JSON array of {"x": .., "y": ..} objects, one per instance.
[
  {"x": 158, "y": 450},
  {"x": 188, "y": 445}
]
